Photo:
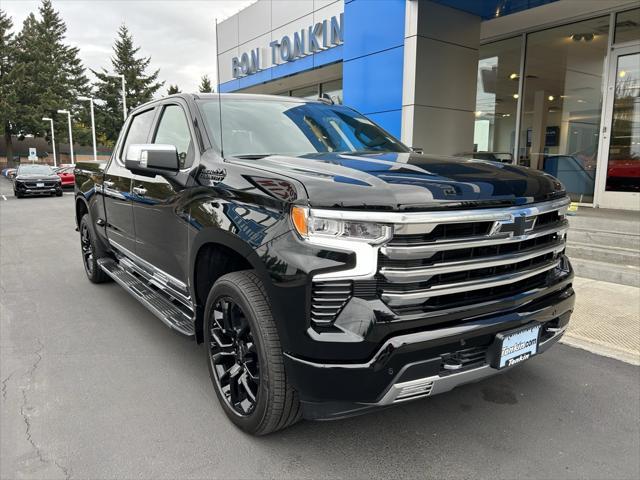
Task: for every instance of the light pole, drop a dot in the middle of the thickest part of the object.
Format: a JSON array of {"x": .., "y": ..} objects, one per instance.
[
  {"x": 53, "y": 139},
  {"x": 70, "y": 134},
  {"x": 124, "y": 94},
  {"x": 93, "y": 125}
]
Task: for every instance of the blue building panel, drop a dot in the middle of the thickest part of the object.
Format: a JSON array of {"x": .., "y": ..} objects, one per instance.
[
  {"x": 372, "y": 26},
  {"x": 259, "y": 77},
  {"x": 373, "y": 83},
  {"x": 326, "y": 57},
  {"x": 290, "y": 68},
  {"x": 230, "y": 86},
  {"x": 488, "y": 9},
  {"x": 373, "y": 53},
  {"x": 390, "y": 121},
  {"x": 309, "y": 62}
]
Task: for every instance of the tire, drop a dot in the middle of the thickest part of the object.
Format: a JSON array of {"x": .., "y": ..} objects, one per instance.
[
  {"x": 18, "y": 195},
  {"x": 275, "y": 404},
  {"x": 58, "y": 194},
  {"x": 90, "y": 253}
]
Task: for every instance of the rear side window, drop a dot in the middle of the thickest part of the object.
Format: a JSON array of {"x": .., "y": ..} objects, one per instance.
[
  {"x": 138, "y": 131},
  {"x": 173, "y": 129}
]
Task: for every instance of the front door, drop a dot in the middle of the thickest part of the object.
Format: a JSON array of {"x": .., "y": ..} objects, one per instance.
[
  {"x": 116, "y": 187},
  {"x": 619, "y": 182},
  {"x": 160, "y": 218}
]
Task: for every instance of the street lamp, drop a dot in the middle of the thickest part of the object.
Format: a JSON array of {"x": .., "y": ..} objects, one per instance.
[
  {"x": 70, "y": 134},
  {"x": 124, "y": 95},
  {"x": 53, "y": 139},
  {"x": 93, "y": 125}
]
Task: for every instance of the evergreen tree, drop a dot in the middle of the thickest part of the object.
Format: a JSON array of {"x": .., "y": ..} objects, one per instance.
[
  {"x": 10, "y": 77},
  {"x": 54, "y": 76},
  {"x": 173, "y": 89},
  {"x": 140, "y": 86},
  {"x": 205, "y": 85}
]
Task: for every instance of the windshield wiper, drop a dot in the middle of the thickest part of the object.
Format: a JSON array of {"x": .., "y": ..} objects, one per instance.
[{"x": 254, "y": 156}]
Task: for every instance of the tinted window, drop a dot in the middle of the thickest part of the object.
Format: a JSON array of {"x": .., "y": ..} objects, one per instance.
[
  {"x": 174, "y": 130},
  {"x": 35, "y": 170},
  {"x": 138, "y": 131}
]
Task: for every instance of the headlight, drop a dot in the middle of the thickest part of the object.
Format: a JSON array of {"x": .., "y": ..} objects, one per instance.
[{"x": 311, "y": 226}]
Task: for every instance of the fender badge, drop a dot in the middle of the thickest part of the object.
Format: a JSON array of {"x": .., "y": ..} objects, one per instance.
[{"x": 212, "y": 177}]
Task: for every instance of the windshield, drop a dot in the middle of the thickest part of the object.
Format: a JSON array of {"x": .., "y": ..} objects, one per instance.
[
  {"x": 35, "y": 170},
  {"x": 257, "y": 128}
]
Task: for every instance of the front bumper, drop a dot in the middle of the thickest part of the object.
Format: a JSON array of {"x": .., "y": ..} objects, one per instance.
[
  {"x": 24, "y": 190},
  {"x": 414, "y": 365}
]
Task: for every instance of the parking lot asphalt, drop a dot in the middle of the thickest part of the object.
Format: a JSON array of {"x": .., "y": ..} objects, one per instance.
[{"x": 94, "y": 386}]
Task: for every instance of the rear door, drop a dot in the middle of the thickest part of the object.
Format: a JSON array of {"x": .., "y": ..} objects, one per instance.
[
  {"x": 117, "y": 184},
  {"x": 160, "y": 218}
]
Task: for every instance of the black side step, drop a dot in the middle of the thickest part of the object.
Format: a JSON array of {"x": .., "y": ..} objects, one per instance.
[{"x": 174, "y": 316}]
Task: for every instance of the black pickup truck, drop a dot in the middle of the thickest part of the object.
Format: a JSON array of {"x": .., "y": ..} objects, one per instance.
[{"x": 327, "y": 268}]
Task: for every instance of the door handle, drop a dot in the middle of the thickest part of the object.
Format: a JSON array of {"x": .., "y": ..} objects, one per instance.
[
  {"x": 140, "y": 191},
  {"x": 108, "y": 184}
]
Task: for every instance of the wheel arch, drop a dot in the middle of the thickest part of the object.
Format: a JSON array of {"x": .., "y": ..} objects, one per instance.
[
  {"x": 215, "y": 253},
  {"x": 82, "y": 207}
]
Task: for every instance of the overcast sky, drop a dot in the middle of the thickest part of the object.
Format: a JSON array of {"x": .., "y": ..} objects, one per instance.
[{"x": 178, "y": 35}]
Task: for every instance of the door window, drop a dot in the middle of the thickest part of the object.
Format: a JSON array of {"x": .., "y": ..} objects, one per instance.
[
  {"x": 174, "y": 130},
  {"x": 138, "y": 131}
]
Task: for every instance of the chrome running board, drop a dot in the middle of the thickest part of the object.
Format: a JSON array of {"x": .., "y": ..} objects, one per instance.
[{"x": 172, "y": 313}]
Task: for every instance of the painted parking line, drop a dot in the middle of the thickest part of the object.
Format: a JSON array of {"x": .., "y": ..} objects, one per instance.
[
  {"x": 68, "y": 193},
  {"x": 4, "y": 198}
]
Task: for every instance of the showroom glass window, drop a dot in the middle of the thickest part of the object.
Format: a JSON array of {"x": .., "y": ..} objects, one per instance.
[
  {"x": 628, "y": 26},
  {"x": 334, "y": 90},
  {"x": 623, "y": 156},
  {"x": 562, "y": 103},
  {"x": 497, "y": 96},
  {"x": 309, "y": 93}
]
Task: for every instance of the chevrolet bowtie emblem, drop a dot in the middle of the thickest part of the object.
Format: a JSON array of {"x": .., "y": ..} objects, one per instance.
[{"x": 518, "y": 227}]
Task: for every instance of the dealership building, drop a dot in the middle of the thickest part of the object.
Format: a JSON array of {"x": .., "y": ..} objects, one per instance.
[{"x": 549, "y": 84}]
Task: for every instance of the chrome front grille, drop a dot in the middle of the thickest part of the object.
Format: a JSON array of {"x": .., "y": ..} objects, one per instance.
[
  {"x": 327, "y": 299},
  {"x": 478, "y": 256},
  {"x": 35, "y": 184}
]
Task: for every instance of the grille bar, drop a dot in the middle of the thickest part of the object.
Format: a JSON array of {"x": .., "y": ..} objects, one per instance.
[
  {"x": 416, "y": 297},
  {"x": 421, "y": 251},
  {"x": 409, "y": 275},
  {"x": 327, "y": 299}
]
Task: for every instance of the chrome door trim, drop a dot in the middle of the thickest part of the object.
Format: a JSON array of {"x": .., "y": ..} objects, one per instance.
[{"x": 160, "y": 274}]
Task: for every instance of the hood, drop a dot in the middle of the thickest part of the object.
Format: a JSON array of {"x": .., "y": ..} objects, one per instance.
[
  {"x": 36, "y": 177},
  {"x": 405, "y": 181}
]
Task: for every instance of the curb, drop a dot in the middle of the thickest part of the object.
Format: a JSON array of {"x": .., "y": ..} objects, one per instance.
[{"x": 601, "y": 349}]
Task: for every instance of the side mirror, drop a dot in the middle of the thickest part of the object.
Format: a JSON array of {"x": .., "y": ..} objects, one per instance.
[{"x": 152, "y": 159}]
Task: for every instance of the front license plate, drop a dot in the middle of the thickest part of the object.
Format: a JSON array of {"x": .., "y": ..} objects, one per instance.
[
  {"x": 516, "y": 346},
  {"x": 39, "y": 185}
]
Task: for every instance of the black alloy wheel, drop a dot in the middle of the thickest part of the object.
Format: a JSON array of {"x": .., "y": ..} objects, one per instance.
[
  {"x": 244, "y": 356},
  {"x": 233, "y": 357},
  {"x": 90, "y": 253},
  {"x": 87, "y": 249}
]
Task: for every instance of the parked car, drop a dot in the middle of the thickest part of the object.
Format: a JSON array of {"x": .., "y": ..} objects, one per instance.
[
  {"x": 623, "y": 174},
  {"x": 9, "y": 172},
  {"x": 66, "y": 175},
  {"x": 328, "y": 269},
  {"x": 34, "y": 179}
]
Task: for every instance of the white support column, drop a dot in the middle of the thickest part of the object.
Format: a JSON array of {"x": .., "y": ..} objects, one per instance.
[{"x": 440, "y": 72}]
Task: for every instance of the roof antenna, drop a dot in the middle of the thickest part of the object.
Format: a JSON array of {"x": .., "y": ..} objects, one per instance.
[{"x": 218, "y": 81}]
